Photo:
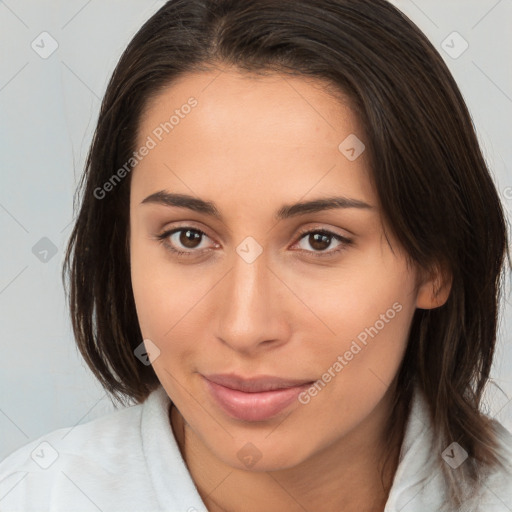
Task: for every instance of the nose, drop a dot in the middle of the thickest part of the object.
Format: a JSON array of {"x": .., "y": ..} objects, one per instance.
[{"x": 251, "y": 314}]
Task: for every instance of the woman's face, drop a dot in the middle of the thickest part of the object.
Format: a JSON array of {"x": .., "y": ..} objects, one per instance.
[{"x": 266, "y": 288}]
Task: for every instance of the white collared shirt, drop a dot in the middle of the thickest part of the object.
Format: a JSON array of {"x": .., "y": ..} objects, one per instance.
[{"x": 129, "y": 460}]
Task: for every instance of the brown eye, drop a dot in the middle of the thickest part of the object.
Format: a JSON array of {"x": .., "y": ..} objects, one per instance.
[
  {"x": 319, "y": 241},
  {"x": 185, "y": 241},
  {"x": 189, "y": 238}
]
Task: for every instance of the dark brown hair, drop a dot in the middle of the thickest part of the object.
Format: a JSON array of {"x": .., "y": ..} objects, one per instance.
[{"x": 433, "y": 184}]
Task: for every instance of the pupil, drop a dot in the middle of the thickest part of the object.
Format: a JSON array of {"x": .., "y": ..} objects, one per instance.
[
  {"x": 187, "y": 242},
  {"x": 320, "y": 238}
]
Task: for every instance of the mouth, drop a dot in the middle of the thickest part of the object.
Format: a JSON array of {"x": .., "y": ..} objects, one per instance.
[{"x": 253, "y": 399}]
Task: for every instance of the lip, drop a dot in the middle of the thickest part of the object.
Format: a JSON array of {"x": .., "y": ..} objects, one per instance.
[{"x": 253, "y": 399}]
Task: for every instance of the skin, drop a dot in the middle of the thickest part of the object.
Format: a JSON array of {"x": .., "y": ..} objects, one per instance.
[{"x": 252, "y": 145}]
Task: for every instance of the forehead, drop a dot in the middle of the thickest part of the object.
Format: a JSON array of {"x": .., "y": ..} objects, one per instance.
[
  {"x": 229, "y": 100},
  {"x": 275, "y": 131}
]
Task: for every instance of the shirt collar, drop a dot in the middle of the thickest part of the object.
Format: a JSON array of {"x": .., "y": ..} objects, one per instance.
[
  {"x": 173, "y": 485},
  {"x": 418, "y": 485},
  {"x": 418, "y": 482}
]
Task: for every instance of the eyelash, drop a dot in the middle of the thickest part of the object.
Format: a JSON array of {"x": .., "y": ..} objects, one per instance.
[{"x": 162, "y": 238}]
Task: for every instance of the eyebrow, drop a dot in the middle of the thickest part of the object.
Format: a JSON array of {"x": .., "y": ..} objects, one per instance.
[{"x": 285, "y": 212}]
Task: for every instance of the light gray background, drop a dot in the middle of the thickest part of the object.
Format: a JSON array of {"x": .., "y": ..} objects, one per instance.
[{"x": 48, "y": 109}]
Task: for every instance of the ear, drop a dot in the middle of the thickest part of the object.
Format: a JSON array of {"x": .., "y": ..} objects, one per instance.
[{"x": 434, "y": 288}]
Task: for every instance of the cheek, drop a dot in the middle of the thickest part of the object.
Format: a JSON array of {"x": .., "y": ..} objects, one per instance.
[
  {"x": 162, "y": 300},
  {"x": 362, "y": 284},
  {"x": 152, "y": 289},
  {"x": 170, "y": 300},
  {"x": 366, "y": 313},
  {"x": 154, "y": 284}
]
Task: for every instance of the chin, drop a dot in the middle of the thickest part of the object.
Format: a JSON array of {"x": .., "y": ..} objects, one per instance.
[{"x": 252, "y": 454}]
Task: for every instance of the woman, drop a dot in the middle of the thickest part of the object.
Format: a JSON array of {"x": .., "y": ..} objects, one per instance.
[{"x": 288, "y": 254}]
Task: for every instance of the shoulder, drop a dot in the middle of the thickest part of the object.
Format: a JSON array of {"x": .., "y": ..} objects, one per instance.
[
  {"x": 63, "y": 462},
  {"x": 493, "y": 489},
  {"x": 421, "y": 484},
  {"x": 497, "y": 484},
  {"x": 88, "y": 440}
]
